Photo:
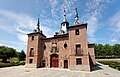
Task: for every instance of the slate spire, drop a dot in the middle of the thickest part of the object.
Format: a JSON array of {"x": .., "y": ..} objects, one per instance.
[
  {"x": 76, "y": 16},
  {"x": 38, "y": 25},
  {"x": 64, "y": 18}
]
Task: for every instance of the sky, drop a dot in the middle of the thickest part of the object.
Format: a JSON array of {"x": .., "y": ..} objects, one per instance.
[{"x": 19, "y": 17}]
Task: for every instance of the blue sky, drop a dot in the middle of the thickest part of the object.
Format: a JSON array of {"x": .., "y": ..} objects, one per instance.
[{"x": 19, "y": 17}]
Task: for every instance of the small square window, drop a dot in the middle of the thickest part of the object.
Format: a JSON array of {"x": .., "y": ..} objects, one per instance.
[
  {"x": 77, "y": 31},
  {"x": 32, "y": 38},
  {"x": 78, "y": 61},
  {"x": 31, "y": 61}
]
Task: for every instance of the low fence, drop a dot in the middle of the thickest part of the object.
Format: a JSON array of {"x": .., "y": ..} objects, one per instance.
[
  {"x": 106, "y": 57},
  {"x": 114, "y": 60}
]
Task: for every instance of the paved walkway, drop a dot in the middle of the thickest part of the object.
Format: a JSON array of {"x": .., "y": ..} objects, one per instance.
[{"x": 21, "y": 71}]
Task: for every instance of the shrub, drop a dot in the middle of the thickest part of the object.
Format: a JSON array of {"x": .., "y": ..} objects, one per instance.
[
  {"x": 22, "y": 63},
  {"x": 112, "y": 64},
  {"x": 7, "y": 64},
  {"x": 14, "y": 61}
]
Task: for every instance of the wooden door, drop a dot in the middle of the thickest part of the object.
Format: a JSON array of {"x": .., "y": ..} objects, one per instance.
[
  {"x": 65, "y": 63},
  {"x": 54, "y": 60}
]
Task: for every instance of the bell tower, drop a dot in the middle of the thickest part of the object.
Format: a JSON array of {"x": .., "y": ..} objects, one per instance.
[
  {"x": 64, "y": 25},
  {"x": 34, "y": 47}
]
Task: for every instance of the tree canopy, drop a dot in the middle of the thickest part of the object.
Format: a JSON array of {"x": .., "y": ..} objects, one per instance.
[
  {"x": 107, "y": 50},
  {"x": 22, "y": 55},
  {"x": 7, "y": 52}
]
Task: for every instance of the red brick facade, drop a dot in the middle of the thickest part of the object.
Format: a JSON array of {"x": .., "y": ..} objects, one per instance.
[{"x": 71, "y": 50}]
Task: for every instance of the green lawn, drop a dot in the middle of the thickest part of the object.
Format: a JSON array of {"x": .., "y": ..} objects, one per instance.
[
  {"x": 7, "y": 64},
  {"x": 11, "y": 62},
  {"x": 112, "y": 64}
]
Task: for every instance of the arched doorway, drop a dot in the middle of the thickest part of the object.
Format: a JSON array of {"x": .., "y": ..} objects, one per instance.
[{"x": 54, "y": 62}]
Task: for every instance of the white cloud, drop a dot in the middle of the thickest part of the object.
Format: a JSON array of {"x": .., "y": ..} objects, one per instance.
[
  {"x": 23, "y": 38},
  {"x": 92, "y": 25},
  {"x": 17, "y": 19},
  {"x": 2, "y": 44},
  {"x": 113, "y": 40},
  {"x": 20, "y": 25},
  {"x": 114, "y": 26},
  {"x": 92, "y": 40},
  {"x": 54, "y": 3},
  {"x": 94, "y": 10},
  {"x": 18, "y": 46},
  {"x": 114, "y": 21},
  {"x": 21, "y": 31},
  {"x": 57, "y": 7}
]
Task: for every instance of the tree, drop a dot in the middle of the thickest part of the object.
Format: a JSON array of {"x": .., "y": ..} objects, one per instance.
[
  {"x": 98, "y": 50},
  {"x": 22, "y": 55},
  {"x": 6, "y": 53},
  {"x": 116, "y": 49},
  {"x": 108, "y": 50},
  {"x": 17, "y": 54}
]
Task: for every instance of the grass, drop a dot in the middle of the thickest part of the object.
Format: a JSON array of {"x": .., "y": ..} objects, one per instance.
[
  {"x": 11, "y": 62},
  {"x": 112, "y": 64},
  {"x": 7, "y": 64}
]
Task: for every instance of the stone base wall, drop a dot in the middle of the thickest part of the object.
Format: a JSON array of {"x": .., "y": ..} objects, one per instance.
[
  {"x": 80, "y": 67},
  {"x": 72, "y": 67},
  {"x": 30, "y": 65}
]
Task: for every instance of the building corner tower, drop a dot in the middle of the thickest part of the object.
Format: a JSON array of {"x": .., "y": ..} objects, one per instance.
[
  {"x": 79, "y": 58},
  {"x": 34, "y": 48}
]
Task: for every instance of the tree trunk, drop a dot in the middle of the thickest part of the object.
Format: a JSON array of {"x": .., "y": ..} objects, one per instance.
[{"x": 4, "y": 60}]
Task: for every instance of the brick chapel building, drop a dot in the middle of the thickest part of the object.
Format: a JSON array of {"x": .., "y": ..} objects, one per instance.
[{"x": 68, "y": 48}]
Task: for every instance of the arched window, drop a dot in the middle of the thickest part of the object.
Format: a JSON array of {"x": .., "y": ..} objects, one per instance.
[
  {"x": 31, "y": 52},
  {"x": 32, "y": 38}
]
